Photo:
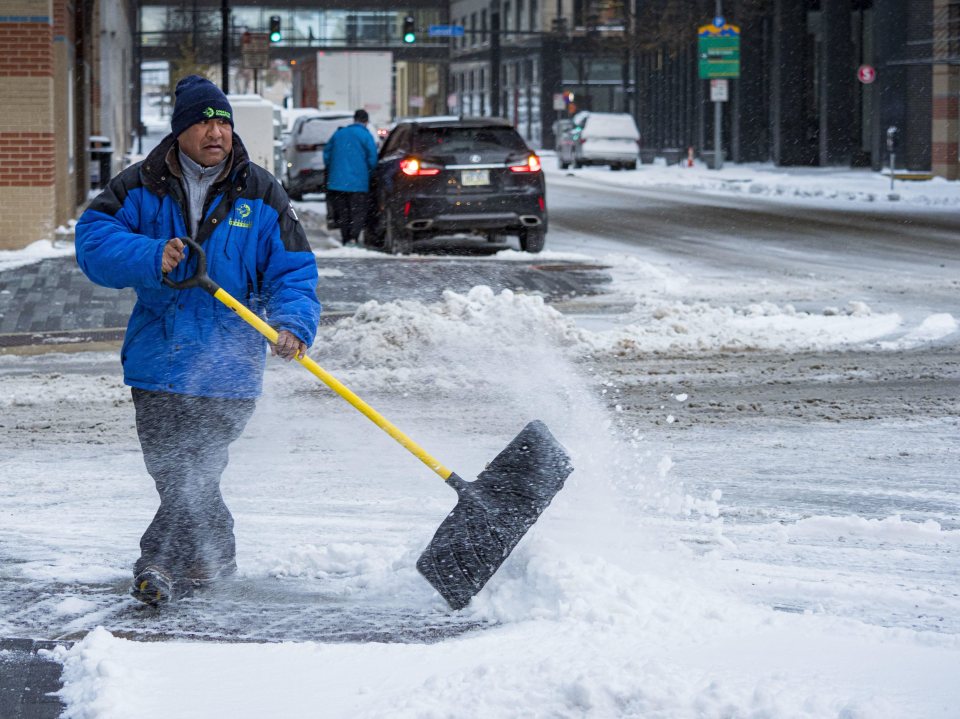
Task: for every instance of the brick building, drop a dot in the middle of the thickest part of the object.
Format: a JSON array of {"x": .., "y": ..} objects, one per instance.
[{"x": 64, "y": 76}]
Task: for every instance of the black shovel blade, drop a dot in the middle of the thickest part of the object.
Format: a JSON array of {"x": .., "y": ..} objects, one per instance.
[{"x": 493, "y": 513}]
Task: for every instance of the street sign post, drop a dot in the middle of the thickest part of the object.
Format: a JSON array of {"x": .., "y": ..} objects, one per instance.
[
  {"x": 255, "y": 51},
  {"x": 718, "y": 50}
]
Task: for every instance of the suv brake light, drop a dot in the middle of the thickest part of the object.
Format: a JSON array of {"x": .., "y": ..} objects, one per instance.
[
  {"x": 309, "y": 148},
  {"x": 412, "y": 167},
  {"x": 532, "y": 165}
]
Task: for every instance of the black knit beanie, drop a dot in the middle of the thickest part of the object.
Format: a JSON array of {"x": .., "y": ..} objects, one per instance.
[{"x": 198, "y": 99}]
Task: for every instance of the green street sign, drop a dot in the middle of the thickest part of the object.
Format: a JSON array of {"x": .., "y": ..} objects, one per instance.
[{"x": 718, "y": 49}]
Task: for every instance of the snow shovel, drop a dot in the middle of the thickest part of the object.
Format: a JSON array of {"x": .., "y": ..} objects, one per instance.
[{"x": 492, "y": 513}]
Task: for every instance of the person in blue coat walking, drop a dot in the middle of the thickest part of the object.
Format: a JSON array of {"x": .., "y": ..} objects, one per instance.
[
  {"x": 350, "y": 156},
  {"x": 194, "y": 367}
]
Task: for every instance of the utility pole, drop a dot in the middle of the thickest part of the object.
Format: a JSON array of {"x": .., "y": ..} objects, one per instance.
[
  {"x": 138, "y": 80},
  {"x": 495, "y": 58},
  {"x": 635, "y": 47},
  {"x": 718, "y": 116},
  {"x": 225, "y": 46},
  {"x": 552, "y": 76}
]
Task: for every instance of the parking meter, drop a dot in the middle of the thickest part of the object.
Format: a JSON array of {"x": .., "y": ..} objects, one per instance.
[{"x": 892, "y": 133}]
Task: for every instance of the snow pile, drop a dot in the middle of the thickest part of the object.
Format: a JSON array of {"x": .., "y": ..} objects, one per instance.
[
  {"x": 700, "y": 327},
  {"x": 933, "y": 328},
  {"x": 40, "y": 250},
  {"x": 889, "y": 529},
  {"x": 449, "y": 344},
  {"x": 406, "y": 341},
  {"x": 675, "y": 653}
]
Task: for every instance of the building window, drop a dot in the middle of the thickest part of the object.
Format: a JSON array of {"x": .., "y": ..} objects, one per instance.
[
  {"x": 533, "y": 15},
  {"x": 506, "y": 16},
  {"x": 473, "y": 29},
  {"x": 519, "y": 21},
  {"x": 483, "y": 25}
]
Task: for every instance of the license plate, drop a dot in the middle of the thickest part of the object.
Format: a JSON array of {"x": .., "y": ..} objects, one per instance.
[{"x": 472, "y": 178}]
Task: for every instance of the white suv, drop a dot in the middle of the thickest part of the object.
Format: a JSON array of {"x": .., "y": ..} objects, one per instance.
[{"x": 601, "y": 138}]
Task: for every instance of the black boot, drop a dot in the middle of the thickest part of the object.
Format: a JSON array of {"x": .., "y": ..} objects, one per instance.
[{"x": 153, "y": 586}]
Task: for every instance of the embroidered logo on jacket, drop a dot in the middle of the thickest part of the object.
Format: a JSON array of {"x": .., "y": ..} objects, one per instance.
[{"x": 243, "y": 212}]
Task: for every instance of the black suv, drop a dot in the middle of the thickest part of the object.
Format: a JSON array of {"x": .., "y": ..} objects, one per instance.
[{"x": 448, "y": 175}]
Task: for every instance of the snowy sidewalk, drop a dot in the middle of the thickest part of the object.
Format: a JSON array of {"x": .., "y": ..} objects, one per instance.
[{"x": 841, "y": 187}]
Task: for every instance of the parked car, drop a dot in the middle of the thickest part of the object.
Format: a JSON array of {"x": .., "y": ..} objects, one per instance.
[
  {"x": 288, "y": 117},
  {"x": 601, "y": 138},
  {"x": 303, "y": 151},
  {"x": 450, "y": 175}
]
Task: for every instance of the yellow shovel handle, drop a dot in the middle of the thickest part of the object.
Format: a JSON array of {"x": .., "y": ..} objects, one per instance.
[{"x": 335, "y": 384}]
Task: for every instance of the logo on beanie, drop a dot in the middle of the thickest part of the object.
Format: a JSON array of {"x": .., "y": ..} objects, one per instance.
[{"x": 210, "y": 112}]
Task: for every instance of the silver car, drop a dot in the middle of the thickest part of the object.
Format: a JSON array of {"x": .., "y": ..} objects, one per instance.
[
  {"x": 600, "y": 138},
  {"x": 303, "y": 151}
]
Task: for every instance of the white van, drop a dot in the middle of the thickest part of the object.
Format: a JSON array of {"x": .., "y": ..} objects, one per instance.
[{"x": 601, "y": 138}]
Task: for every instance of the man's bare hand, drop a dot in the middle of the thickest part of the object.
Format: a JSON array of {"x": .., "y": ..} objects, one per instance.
[
  {"x": 288, "y": 346},
  {"x": 172, "y": 255}
]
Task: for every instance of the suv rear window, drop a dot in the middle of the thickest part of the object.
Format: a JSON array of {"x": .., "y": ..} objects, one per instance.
[{"x": 465, "y": 139}]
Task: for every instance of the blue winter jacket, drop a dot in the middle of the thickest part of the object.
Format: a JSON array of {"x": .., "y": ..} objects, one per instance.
[
  {"x": 349, "y": 157},
  {"x": 185, "y": 341}
]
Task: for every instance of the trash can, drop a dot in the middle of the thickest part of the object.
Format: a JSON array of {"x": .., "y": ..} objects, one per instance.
[
  {"x": 101, "y": 156},
  {"x": 709, "y": 157},
  {"x": 672, "y": 155}
]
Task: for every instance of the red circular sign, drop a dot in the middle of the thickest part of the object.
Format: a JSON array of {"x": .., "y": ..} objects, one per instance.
[{"x": 866, "y": 74}]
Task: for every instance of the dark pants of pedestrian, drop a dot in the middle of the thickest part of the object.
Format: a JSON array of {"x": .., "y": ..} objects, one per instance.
[
  {"x": 350, "y": 211},
  {"x": 185, "y": 441}
]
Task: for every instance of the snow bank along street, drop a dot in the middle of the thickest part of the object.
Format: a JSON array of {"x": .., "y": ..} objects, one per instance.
[{"x": 762, "y": 520}]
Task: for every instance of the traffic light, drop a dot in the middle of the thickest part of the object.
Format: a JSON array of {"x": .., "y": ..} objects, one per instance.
[
  {"x": 275, "y": 34},
  {"x": 409, "y": 29}
]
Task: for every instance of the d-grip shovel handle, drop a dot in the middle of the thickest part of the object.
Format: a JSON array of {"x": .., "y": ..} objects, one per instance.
[
  {"x": 202, "y": 280},
  {"x": 199, "y": 278}
]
